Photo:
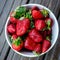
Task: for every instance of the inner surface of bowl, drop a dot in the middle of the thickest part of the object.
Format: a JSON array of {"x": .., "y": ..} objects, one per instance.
[{"x": 55, "y": 31}]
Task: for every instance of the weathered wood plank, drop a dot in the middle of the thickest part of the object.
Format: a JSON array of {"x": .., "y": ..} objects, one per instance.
[
  {"x": 16, "y": 3},
  {"x": 52, "y": 4},
  {"x": 45, "y": 2},
  {"x": 4, "y": 52},
  {"x": 2, "y": 4},
  {"x": 2, "y": 41},
  {"x": 10, "y": 55},
  {"x": 5, "y": 12},
  {"x": 24, "y": 2},
  {"x": 31, "y": 1},
  {"x": 24, "y": 58},
  {"x": 57, "y": 9},
  {"x": 55, "y": 52},
  {"x": 37, "y": 1},
  {"x": 16, "y": 57}
]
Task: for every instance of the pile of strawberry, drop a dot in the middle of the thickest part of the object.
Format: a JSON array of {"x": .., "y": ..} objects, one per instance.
[{"x": 30, "y": 29}]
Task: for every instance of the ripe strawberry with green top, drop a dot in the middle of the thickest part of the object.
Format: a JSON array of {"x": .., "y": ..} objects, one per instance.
[
  {"x": 46, "y": 45},
  {"x": 11, "y": 28},
  {"x": 29, "y": 44},
  {"x": 22, "y": 26},
  {"x": 35, "y": 35},
  {"x": 38, "y": 48},
  {"x": 17, "y": 44},
  {"x": 37, "y": 14},
  {"x": 40, "y": 25}
]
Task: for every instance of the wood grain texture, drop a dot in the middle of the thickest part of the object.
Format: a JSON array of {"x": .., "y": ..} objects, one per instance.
[
  {"x": 10, "y": 55},
  {"x": 24, "y": 2},
  {"x": 24, "y": 58},
  {"x": 16, "y": 56},
  {"x": 57, "y": 9},
  {"x": 52, "y": 5},
  {"x": 37, "y": 1},
  {"x": 45, "y": 2},
  {"x": 2, "y": 4},
  {"x": 4, "y": 52},
  {"x": 2, "y": 40},
  {"x": 31, "y": 1},
  {"x": 5, "y": 13}
]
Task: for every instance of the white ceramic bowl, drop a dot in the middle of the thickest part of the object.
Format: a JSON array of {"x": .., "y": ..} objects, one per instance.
[{"x": 55, "y": 31}]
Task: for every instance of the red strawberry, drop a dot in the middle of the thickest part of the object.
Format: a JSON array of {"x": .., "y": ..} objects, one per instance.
[
  {"x": 45, "y": 46},
  {"x": 49, "y": 23},
  {"x": 36, "y": 14},
  {"x": 14, "y": 36},
  {"x": 13, "y": 19},
  {"x": 11, "y": 28},
  {"x": 34, "y": 8},
  {"x": 40, "y": 25},
  {"x": 22, "y": 27},
  {"x": 17, "y": 44},
  {"x": 38, "y": 48},
  {"x": 34, "y": 34},
  {"x": 29, "y": 44}
]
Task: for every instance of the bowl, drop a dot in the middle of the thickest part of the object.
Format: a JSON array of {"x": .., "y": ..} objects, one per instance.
[{"x": 55, "y": 31}]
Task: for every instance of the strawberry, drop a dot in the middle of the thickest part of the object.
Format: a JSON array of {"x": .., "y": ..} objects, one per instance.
[
  {"x": 45, "y": 46},
  {"x": 13, "y": 19},
  {"x": 34, "y": 8},
  {"x": 17, "y": 44},
  {"x": 40, "y": 25},
  {"x": 11, "y": 28},
  {"x": 36, "y": 14},
  {"x": 38, "y": 48},
  {"x": 49, "y": 23},
  {"x": 22, "y": 27},
  {"x": 14, "y": 36},
  {"x": 29, "y": 44},
  {"x": 35, "y": 35}
]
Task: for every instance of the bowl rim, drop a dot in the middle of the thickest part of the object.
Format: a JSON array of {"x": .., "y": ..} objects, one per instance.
[{"x": 32, "y": 55}]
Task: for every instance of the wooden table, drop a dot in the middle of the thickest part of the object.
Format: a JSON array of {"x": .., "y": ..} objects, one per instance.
[{"x": 6, "y": 53}]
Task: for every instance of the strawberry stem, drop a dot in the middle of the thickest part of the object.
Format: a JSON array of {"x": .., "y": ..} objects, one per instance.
[{"x": 17, "y": 42}]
